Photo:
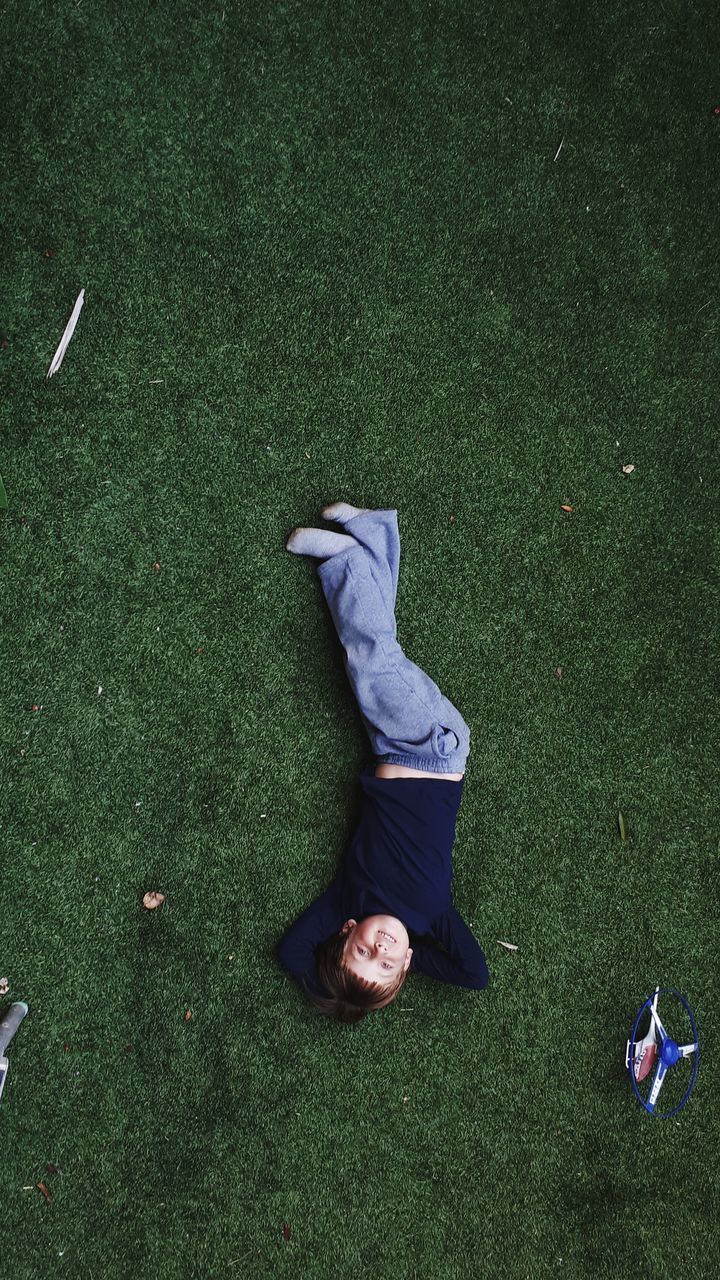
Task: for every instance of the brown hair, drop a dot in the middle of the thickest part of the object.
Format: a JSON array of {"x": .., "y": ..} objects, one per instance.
[{"x": 351, "y": 998}]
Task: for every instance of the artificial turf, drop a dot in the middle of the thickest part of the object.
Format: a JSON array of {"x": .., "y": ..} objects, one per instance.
[{"x": 459, "y": 259}]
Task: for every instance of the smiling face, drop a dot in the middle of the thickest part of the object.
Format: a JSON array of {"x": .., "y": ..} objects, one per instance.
[{"x": 377, "y": 949}]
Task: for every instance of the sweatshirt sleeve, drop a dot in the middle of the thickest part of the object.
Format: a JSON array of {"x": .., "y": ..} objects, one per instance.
[
  {"x": 461, "y": 963},
  {"x": 296, "y": 948}
]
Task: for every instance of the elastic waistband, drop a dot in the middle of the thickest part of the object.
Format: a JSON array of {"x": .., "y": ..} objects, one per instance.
[{"x": 430, "y": 763}]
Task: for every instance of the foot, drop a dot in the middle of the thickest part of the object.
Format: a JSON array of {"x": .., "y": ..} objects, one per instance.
[
  {"x": 318, "y": 542},
  {"x": 341, "y": 512}
]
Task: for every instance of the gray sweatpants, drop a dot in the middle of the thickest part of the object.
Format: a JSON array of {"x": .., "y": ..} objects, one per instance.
[{"x": 408, "y": 719}]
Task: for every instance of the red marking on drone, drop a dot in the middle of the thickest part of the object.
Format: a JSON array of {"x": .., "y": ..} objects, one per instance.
[{"x": 645, "y": 1061}]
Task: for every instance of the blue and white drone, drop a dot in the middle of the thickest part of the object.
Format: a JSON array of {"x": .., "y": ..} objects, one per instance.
[
  {"x": 676, "y": 1064},
  {"x": 10, "y": 1022}
]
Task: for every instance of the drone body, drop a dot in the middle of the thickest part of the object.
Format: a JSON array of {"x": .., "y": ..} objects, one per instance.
[
  {"x": 676, "y": 1065},
  {"x": 8, "y": 1026}
]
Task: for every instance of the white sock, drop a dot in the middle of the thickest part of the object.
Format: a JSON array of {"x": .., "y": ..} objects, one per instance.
[
  {"x": 341, "y": 512},
  {"x": 319, "y": 542}
]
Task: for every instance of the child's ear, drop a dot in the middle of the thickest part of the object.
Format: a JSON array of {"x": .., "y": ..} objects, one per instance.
[
  {"x": 348, "y": 925},
  {"x": 408, "y": 958}
]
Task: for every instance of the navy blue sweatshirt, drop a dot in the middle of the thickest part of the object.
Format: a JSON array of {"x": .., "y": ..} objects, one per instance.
[{"x": 398, "y": 863}]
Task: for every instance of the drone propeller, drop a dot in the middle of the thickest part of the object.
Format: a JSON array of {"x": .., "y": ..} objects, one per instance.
[
  {"x": 660, "y": 1075},
  {"x": 655, "y": 1016}
]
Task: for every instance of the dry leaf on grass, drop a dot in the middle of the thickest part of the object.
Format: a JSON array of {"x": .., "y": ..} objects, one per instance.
[
  {"x": 41, "y": 1187},
  {"x": 510, "y": 946},
  {"x": 629, "y": 468},
  {"x": 565, "y": 507},
  {"x": 153, "y": 900},
  {"x": 188, "y": 1015},
  {"x": 286, "y": 1231}
]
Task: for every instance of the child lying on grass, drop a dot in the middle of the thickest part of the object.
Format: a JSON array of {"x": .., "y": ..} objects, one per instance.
[{"x": 351, "y": 949}]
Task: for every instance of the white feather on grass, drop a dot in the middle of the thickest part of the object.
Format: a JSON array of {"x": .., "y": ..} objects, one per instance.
[{"x": 69, "y": 331}]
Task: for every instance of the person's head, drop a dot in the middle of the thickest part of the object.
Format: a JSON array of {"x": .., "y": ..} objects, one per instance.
[{"x": 363, "y": 966}]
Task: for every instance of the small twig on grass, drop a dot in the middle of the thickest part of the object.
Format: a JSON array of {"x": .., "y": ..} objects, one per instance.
[{"x": 557, "y": 153}]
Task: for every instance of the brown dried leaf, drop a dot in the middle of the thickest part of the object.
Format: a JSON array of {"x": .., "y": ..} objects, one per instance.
[
  {"x": 286, "y": 1231},
  {"x": 153, "y": 900},
  {"x": 188, "y": 1015},
  {"x": 565, "y": 507},
  {"x": 41, "y": 1187}
]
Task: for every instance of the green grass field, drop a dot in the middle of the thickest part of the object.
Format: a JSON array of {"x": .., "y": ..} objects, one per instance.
[{"x": 455, "y": 258}]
